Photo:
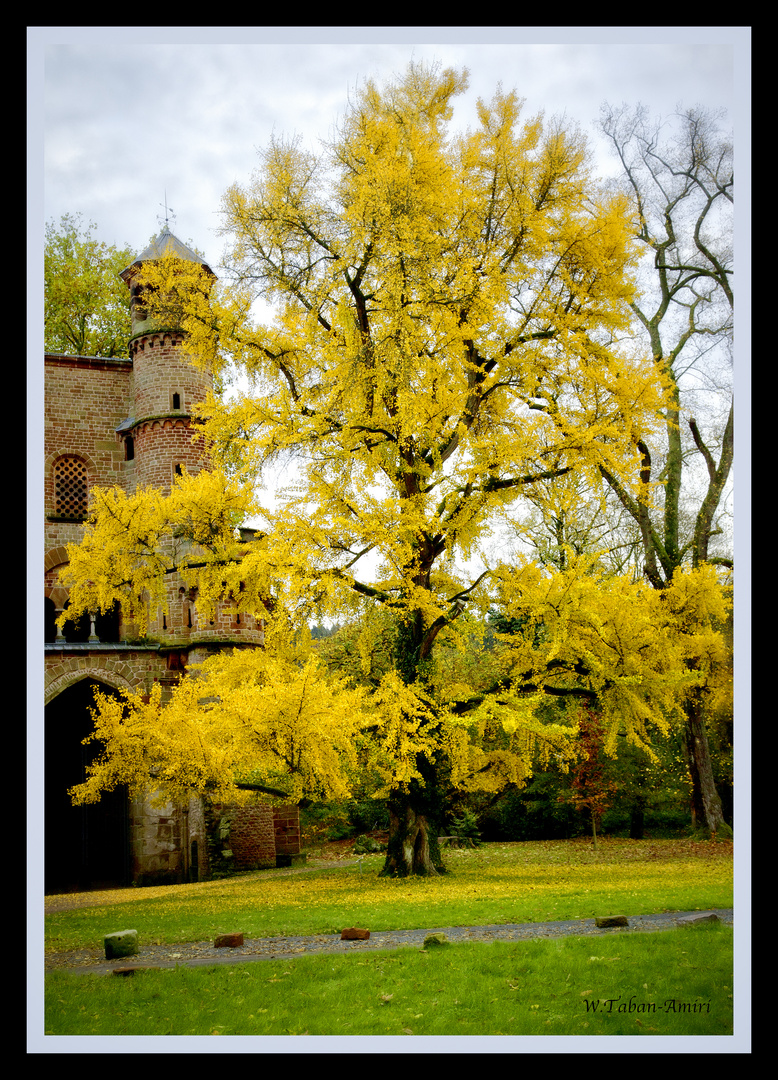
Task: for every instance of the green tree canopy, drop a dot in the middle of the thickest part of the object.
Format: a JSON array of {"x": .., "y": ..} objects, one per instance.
[{"x": 87, "y": 305}]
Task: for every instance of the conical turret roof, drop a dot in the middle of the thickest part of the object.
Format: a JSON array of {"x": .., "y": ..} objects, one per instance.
[{"x": 164, "y": 244}]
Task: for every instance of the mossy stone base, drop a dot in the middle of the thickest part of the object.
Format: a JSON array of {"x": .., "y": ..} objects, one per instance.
[{"x": 122, "y": 943}]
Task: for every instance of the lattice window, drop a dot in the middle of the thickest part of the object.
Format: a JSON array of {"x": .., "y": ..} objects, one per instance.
[{"x": 70, "y": 487}]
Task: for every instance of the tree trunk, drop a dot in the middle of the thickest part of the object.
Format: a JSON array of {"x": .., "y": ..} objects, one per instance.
[
  {"x": 413, "y": 842},
  {"x": 706, "y": 804},
  {"x": 636, "y": 823},
  {"x": 415, "y": 813}
]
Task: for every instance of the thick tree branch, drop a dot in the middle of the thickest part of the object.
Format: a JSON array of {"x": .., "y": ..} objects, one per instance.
[{"x": 263, "y": 790}]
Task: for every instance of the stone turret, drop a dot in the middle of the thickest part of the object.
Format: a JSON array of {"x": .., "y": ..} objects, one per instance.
[{"x": 158, "y": 436}]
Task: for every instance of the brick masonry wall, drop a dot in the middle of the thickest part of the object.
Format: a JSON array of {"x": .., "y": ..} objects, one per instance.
[
  {"x": 161, "y": 445},
  {"x": 286, "y": 822},
  {"x": 165, "y": 389},
  {"x": 160, "y": 370},
  {"x": 260, "y": 833},
  {"x": 252, "y": 838},
  {"x": 182, "y": 624},
  {"x": 86, "y": 398}
]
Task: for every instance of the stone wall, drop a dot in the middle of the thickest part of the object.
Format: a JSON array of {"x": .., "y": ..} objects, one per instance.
[
  {"x": 127, "y": 422},
  {"x": 169, "y": 844},
  {"x": 252, "y": 838},
  {"x": 158, "y": 844},
  {"x": 286, "y": 821},
  {"x": 86, "y": 398},
  {"x": 120, "y": 668}
]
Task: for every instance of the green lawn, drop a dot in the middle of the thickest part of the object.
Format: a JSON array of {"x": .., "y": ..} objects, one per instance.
[
  {"x": 678, "y": 982},
  {"x": 496, "y": 883}
]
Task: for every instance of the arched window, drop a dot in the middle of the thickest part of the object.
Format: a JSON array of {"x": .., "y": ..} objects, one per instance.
[
  {"x": 71, "y": 488},
  {"x": 108, "y": 626},
  {"x": 77, "y": 632}
]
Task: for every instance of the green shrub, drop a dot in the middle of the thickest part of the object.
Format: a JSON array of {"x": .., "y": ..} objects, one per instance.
[
  {"x": 366, "y": 845},
  {"x": 341, "y": 829},
  {"x": 344, "y": 819},
  {"x": 464, "y": 827},
  {"x": 368, "y": 815},
  {"x": 532, "y": 814}
]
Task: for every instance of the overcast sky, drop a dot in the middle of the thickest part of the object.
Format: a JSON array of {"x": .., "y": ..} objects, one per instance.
[
  {"x": 123, "y": 120},
  {"x": 126, "y": 120},
  {"x": 131, "y": 117}
]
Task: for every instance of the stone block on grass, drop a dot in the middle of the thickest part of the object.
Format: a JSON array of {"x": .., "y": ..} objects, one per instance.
[
  {"x": 701, "y": 917},
  {"x": 122, "y": 943},
  {"x": 284, "y": 859},
  {"x": 434, "y": 940},
  {"x": 605, "y": 921},
  {"x": 228, "y": 941},
  {"x": 354, "y": 934}
]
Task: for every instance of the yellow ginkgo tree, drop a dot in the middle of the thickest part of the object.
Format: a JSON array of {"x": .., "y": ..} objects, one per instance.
[
  {"x": 450, "y": 308},
  {"x": 239, "y": 718}
]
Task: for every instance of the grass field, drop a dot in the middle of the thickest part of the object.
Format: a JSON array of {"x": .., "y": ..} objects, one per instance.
[
  {"x": 495, "y": 883},
  {"x": 677, "y": 982},
  {"x": 671, "y": 983}
]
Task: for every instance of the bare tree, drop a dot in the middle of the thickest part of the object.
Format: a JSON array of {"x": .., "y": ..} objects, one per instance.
[{"x": 680, "y": 176}]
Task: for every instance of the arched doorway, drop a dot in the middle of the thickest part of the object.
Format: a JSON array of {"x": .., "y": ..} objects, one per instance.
[{"x": 86, "y": 847}]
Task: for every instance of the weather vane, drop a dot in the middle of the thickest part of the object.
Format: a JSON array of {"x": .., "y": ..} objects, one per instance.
[{"x": 168, "y": 212}]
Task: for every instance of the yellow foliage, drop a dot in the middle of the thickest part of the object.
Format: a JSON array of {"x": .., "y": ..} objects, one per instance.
[
  {"x": 244, "y": 717},
  {"x": 132, "y": 541},
  {"x": 449, "y": 310},
  {"x": 637, "y": 651},
  {"x": 447, "y": 335}
]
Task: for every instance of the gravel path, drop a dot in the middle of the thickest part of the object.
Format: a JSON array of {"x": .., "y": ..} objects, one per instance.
[{"x": 279, "y": 948}]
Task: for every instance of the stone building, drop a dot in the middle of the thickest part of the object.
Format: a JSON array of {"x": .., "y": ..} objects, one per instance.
[{"x": 128, "y": 422}]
